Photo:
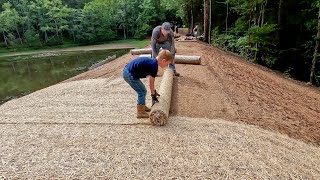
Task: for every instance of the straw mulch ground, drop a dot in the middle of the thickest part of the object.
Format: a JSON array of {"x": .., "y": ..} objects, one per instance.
[
  {"x": 90, "y": 101},
  {"x": 228, "y": 87},
  {"x": 86, "y": 129}
]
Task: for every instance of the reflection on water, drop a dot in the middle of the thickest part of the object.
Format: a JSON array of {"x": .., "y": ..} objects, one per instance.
[{"x": 21, "y": 75}]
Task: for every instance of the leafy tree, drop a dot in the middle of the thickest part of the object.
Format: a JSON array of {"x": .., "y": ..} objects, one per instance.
[
  {"x": 98, "y": 23},
  {"x": 148, "y": 18},
  {"x": 77, "y": 4},
  {"x": 316, "y": 49},
  {"x": 59, "y": 14},
  {"x": 10, "y": 20},
  {"x": 126, "y": 16},
  {"x": 50, "y": 18}
]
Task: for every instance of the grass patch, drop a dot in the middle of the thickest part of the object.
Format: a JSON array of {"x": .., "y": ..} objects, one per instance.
[{"x": 134, "y": 42}]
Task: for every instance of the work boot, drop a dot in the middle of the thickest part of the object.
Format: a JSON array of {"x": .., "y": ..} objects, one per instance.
[
  {"x": 146, "y": 109},
  {"x": 176, "y": 73},
  {"x": 141, "y": 113}
]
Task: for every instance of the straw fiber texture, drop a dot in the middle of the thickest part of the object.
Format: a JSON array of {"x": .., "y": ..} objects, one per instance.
[
  {"x": 186, "y": 148},
  {"x": 182, "y": 59},
  {"x": 88, "y": 130},
  {"x": 88, "y": 101},
  {"x": 141, "y": 51},
  {"x": 160, "y": 111}
]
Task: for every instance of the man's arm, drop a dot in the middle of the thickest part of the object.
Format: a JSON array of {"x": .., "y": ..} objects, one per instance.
[
  {"x": 154, "y": 41},
  {"x": 172, "y": 44}
]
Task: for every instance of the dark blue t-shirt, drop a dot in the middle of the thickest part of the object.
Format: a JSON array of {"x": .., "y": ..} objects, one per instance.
[{"x": 142, "y": 67}]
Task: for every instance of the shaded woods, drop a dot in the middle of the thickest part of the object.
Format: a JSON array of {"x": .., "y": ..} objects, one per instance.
[{"x": 280, "y": 34}]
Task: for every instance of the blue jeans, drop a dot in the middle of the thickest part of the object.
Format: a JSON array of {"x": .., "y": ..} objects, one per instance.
[
  {"x": 137, "y": 85},
  {"x": 165, "y": 45}
]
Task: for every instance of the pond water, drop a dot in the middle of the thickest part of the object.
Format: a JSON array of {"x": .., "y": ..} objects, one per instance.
[{"x": 21, "y": 75}]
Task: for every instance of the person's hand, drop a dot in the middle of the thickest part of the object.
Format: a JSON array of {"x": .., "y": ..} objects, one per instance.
[
  {"x": 155, "y": 93},
  {"x": 154, "y": 97},
  {"x": 154, "y": 100}
]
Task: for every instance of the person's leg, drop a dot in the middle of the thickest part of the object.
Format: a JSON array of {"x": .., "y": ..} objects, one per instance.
[
  {"x": 158, "y": 46},
  {"x": 172, "y": 65},
  {"x": 139, "y": 87}
]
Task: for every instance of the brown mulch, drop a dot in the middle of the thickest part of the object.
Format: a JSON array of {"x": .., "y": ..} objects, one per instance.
[{"x": 226, "y": 86}]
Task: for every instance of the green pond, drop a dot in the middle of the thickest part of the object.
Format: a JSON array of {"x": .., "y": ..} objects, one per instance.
[{"x": 21, "y": 75}]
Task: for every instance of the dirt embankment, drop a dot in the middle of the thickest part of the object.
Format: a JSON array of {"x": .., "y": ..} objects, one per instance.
[{"x": 225, "y": 86}]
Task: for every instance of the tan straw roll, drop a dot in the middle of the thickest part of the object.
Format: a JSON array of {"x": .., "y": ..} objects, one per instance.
[
  {"x": 160, "y": 111},
  {"x": 141, "y": 51},
  {"x": 182, "y": 59}
]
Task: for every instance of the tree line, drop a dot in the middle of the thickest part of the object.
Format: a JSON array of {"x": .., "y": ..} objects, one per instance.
[
  {"x": 280, "y": 34},
  {"x": 51, "y": 22}
]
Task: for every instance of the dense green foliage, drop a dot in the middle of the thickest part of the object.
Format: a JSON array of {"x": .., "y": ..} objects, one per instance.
[
  {"x": 51, "y": 22},
  {"x": 280, "y": 34}
]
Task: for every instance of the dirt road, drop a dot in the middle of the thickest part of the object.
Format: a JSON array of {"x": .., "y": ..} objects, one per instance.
[{"x": 226, "y": 86}]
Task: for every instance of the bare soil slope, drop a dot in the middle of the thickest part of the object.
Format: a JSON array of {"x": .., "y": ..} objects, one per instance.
[{"x": 226, "y": 86}]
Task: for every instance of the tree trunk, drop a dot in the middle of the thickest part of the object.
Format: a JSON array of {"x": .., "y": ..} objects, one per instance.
[
  {"x": 45, "y": 37},
  {"x": 5, "y": 39},
  {"x": 206, "y": 21},
  {"x": 254, "y": 14},
  {"x": 264, "y": 12},
  {"x": 19, "y": 34},
  {"x": 157, "y": 10},
  {"x": 256, "y": 52},
  {"x": 249, "y": 26},
  {"x": 61, "y": 34},
  {"x": 227, "y": 17},
  {"x": 210, "y": 19},
  {"x": 260, "y": 24},
  {"x": 73, "y": 31},
  {"x": 73, "y": 36},
  {"x": 57, "y": 29},
  {"x": 279, "y": 23},
  {"x": 260, "y": 16},
  {"x": 191, "y": 23},
  {"x": 315, "y": 54}
]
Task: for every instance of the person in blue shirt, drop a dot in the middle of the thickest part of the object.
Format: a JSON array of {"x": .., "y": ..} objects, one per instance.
[{"x": 142, "y": 67}]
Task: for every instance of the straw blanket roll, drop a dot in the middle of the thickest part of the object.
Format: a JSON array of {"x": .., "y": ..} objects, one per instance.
[
  {"x": 160, "y": 111},
  {"x": 182, "y": 59},
  {"x": 141, "y": 51}
]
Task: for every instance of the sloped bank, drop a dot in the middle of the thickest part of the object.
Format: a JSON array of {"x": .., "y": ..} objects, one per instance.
[{"x": 88, "y": 129}]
